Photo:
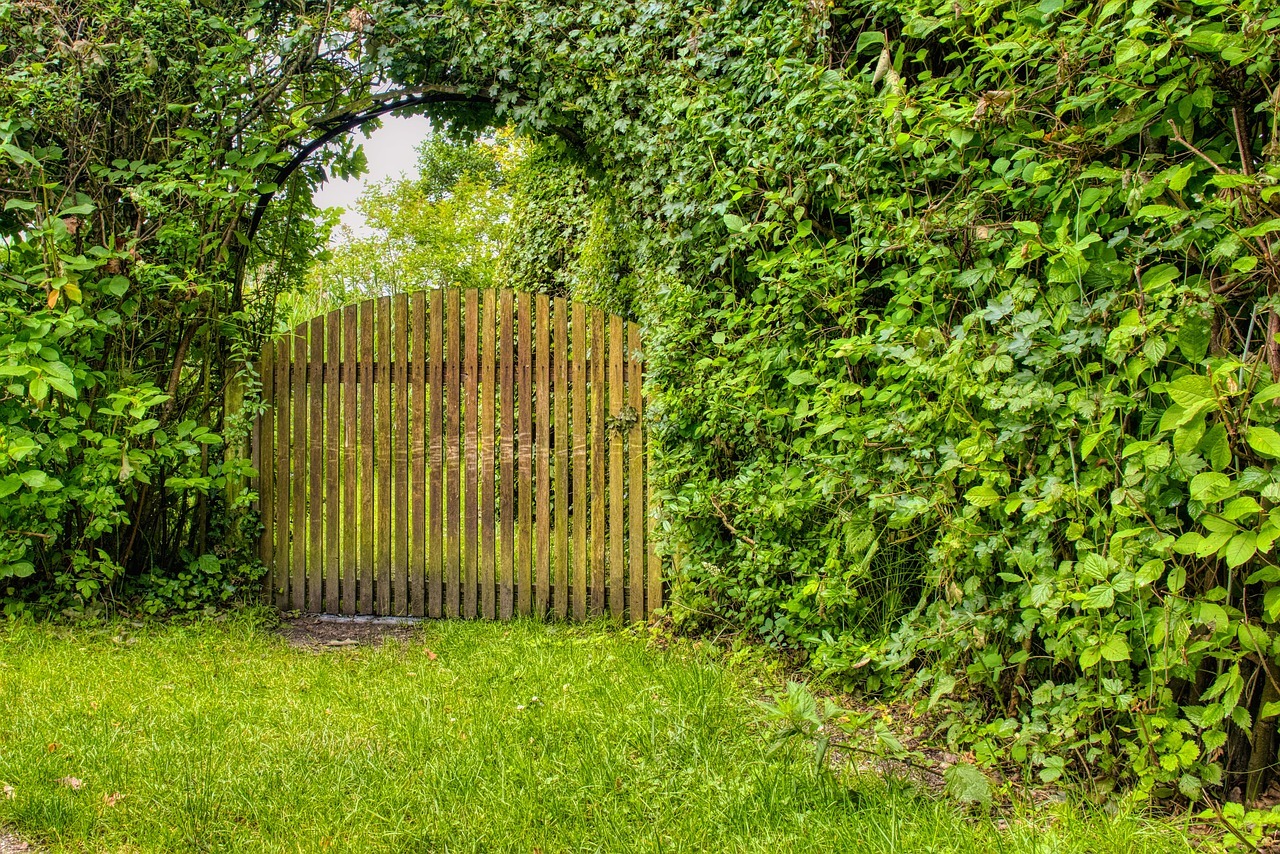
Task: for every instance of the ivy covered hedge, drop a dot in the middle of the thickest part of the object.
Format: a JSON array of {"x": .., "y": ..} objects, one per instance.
[
  {"x": 962, "y": 333},
  {"x": 960, "y": 319}
]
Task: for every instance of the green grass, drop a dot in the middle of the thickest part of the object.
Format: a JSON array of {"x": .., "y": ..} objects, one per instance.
[{"x": 223, "y": 738}]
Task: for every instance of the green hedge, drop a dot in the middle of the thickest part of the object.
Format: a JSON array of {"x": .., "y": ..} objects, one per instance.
[{"x": 961, "y": 336}]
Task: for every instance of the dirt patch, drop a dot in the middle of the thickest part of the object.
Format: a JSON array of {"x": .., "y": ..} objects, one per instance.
[
  {"x": 10, "y": 844},
  {"x": 322, "y": 633}
]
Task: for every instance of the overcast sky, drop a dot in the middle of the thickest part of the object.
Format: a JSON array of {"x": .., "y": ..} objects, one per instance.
[{"x": 390, "y": 152}]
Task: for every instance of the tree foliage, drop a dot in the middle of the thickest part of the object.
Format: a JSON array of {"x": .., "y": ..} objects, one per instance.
[{"x": 445, "y": 227}]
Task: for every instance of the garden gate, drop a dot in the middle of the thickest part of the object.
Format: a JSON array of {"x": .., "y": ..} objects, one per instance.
[{"x": 456, "y": 453}]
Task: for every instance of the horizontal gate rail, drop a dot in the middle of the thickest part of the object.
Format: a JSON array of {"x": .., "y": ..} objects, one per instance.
[{"x": 457, "y": 453}]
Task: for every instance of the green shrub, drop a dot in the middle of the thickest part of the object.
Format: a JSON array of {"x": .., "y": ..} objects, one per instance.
[{"x": 962, "y": 350}]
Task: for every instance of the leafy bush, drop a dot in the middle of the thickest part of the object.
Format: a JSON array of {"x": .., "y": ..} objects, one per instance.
[
  {"x": 132, "y": 140},
  {"x": 963, "y": 344}
]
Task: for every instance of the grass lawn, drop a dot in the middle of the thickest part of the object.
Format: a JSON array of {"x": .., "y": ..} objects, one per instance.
[{"x": 221, "y": 737}]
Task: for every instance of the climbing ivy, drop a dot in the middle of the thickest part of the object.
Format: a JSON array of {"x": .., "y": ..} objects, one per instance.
[{"x": 961, "y": 337}]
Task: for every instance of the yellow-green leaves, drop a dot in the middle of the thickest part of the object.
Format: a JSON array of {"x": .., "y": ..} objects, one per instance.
[
  {"x": 1264, "y": 440},
  {"x": 1211, "y": 486}
]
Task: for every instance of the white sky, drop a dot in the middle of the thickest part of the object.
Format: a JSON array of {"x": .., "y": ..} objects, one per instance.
[{"x": 391, "y": 153}]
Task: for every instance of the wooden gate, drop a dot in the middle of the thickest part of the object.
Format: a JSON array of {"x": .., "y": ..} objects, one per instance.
[{"x": 456, "y": 453}]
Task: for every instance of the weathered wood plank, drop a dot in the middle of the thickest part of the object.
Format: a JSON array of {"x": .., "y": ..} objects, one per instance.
[
  {"x": 368, "y": 477},
  {"x": 435, "y": 417},
  {"x": 488, "y": 454},
  {"x": 598, "y": 498},
  {"x": 524, "y": 451},
  {"x": 350, "y": 491},
  {"x": 265, "y": 462},
  {"x": 453, "y": 456},
  {"x": 635, "y": 473},
  {"x": 506, "y": 465},
  {"x": 579, "y": 436},
  {"x": 284, "y": 430},
  {"x": 560, "y": 399},
  {"x": 654, "y": 598},
  {"x": 332, "y": 472},
  {"x": 542, "y": 454},
  {"x": 617, "y": 479},
  {"x": 400, "y": 455},
  {"x": 418, "y": 463},
  {"x": 315, "y": 467},
  {"x": 471, "y": 469},
  {"x": 298, "y": 524},
  {"x": 382, "y": 438}
]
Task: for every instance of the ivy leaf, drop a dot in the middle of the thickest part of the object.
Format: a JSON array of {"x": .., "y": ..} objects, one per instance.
[
  {"x": 1099, "y": 596},
  {"x": 1241, "y": 548},
  {"x": 1211, "y": 486},
  {"x": 1253, "y": 638},
  {"x": 1149, "y": 573},
  {"x": 1215, "y": 447},
  {"x": 1193, "y": 339},
  {"x": 1193, "y": 392},
  {"x": 871, "y": 38},
  {"x": 801, "y": 378},
  {"x": 982, "y": 496},
  {"x": 1271, "y": 605},
  {"x": 1158, "y": 276},
  {"x": 967, "y": 784},
  {"x": 1238, "y": 508},
  {"x": 1115, "y": 649},
  {"x": 1264, "y": 440}
]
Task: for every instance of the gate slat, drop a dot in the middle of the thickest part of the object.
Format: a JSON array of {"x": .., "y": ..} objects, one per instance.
[
  {"x": 382, "y": 438},
  {"x": 400, "y": 454},
  {"x": 506, "y": 473},
  {"x": 578, "y": 385},
  {"x": 280, "y": 573},
  {"x": 367, "y": 477},
  {"x": 617, "y": 442},
  {"x": 635, "y": 472},
  {"x": 265, "y": 462},
  {"x": 560, "y": 398},
  {"x": 332, "y": 445},
  {"x": 655, "y": 562},
  {"x": 315, "y": 467},
  {"x": 435, "y": 547},
  {"x": 298, "y": 525},
  {"x": 542, "y": 448},
  {"x": 524, "y": 450},
  {"x": 350, "y": 529},
  {"x": 418, "y": 450},
  {"x": 488, "y": 448},
  {"x": 597, "y": 461},
  {"x": 453, "y": 534},
  {"x": 471, "y": 483}
]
